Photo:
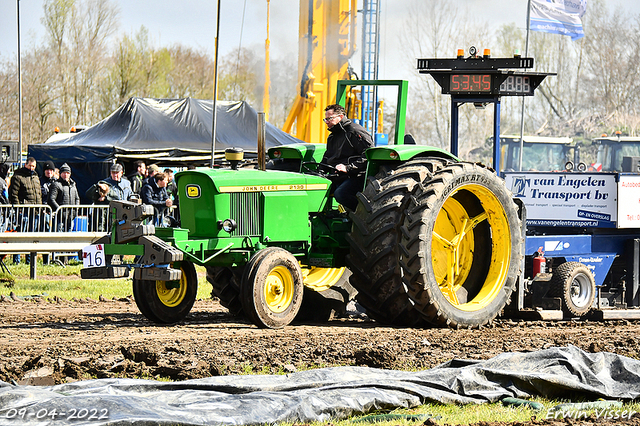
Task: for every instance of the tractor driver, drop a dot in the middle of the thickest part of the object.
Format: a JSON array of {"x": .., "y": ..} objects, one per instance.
[{"x": 345, "y": 151}]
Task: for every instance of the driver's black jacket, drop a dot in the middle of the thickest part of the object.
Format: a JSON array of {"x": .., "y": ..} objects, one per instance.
[{"x": 346, "y": 145}]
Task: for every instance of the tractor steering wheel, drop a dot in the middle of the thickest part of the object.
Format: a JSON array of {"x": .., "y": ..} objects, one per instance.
[{"x": 319, "y": 169}]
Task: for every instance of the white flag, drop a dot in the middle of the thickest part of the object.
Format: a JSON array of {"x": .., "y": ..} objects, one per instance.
[{"x": 558, "y": 17}]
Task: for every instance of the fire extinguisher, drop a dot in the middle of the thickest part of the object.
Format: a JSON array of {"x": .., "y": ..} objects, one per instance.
[{"x": 539, "y": 262}]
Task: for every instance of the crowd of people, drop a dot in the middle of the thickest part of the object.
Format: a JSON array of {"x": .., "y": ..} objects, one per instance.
[
  {"x": 150, "y": 184},
  {"x": 56, "y": 188}
]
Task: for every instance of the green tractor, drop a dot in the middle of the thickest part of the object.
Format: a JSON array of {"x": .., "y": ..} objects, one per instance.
[{"x": 433, "y": 241}]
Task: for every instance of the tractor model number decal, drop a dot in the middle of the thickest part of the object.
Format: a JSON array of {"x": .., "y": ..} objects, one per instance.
[
  {"x": 263, "y": 188},
  {"x": 193, "y": 191}
]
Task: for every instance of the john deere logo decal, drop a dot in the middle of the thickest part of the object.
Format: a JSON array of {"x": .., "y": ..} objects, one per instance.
[{"x": 193, "y": 191}]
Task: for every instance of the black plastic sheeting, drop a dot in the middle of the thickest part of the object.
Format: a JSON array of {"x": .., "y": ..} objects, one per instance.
[
  {"x": 144, "y": 126},
  {"x": 322, "y": 394}
]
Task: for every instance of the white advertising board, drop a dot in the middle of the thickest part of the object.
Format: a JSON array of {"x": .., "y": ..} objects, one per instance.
[
  {"x": 582, "y": 200},
  {"x": 629, "y": 201}
]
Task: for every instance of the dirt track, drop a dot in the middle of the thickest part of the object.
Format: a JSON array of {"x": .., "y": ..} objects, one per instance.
[{"x": 47, "y": 342}]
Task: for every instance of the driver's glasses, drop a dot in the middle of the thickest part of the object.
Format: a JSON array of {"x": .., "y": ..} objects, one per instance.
[{"x": 328, "y": 119}]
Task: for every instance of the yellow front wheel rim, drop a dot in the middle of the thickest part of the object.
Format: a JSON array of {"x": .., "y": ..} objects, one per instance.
[
  {"x": 453, "y": 246},
  {"x": 278, "y": 289},
  {"x": 172, "y": 293}
]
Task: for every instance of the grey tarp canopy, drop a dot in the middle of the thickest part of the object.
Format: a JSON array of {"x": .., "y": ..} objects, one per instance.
[
  {"x": 160, "y": 130},
  {"x": 325, "y": 394}
]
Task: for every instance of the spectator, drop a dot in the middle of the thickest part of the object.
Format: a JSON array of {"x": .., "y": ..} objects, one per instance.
[
  {"x": 47, "y": 179},
  {"x": 155, "y": 193},
  {"x": 151, "y": 171},
  {"x": 25, "y": 185},
  {"x": 64, "y": 192},
  {"x": 25, "y": 188},
  {"x": 138, "y": 177},
  {"x": 4, "y": 186},
  {"x": 5, "y": 216},
  {"x": 49, "y": 176},
  {"x": 172, "y": 188},
  {"x": 120, "y": 187}
]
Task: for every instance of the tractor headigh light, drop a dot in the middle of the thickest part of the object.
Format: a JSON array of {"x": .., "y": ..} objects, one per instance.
[{"x": 228, "y": 225}]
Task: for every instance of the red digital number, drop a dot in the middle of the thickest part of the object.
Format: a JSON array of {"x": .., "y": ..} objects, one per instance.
[
  {"x": 476, "y": 79},
  {"x": 470, "y": 83},
  {"x": 486, "y": 83},
  {"x": 455, "y": 84}
]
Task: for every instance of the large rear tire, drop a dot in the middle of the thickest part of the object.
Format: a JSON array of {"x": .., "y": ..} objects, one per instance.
[
  {"x": 272, "y": 288},
  {"x": 462, "y": 247},
  {"x": 575, "y": 285},
  {"x": 375, "y": 237},
  {"x": 225, "y": 284},
  {"x": 167, "y": 302}
]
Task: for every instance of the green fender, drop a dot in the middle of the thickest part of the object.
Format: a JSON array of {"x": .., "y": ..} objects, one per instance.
[
  {"x": 402, "y": 153},
  {"x": 298, "y": 151}
]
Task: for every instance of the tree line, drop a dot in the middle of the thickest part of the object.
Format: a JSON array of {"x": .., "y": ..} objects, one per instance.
[
  {"x": 596, "y": 90},
  {"x": 82, "y": 72}
]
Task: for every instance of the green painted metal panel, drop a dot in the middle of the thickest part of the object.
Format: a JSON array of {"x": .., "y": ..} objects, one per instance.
[
  {"x": 250, "y": 180},
  {"x": 406, "y": 152},
  {"x": 300, "y": 151},
  {"x": 286, "y": 217}
]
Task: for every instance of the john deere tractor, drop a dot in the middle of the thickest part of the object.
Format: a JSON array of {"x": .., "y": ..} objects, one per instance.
[{"x": 433, "y": 241}]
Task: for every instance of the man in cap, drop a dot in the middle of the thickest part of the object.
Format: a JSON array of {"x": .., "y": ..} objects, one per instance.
[
  {"x": 120, "y": 186},
  {"x": 64, "y": 192},
  {"x": 47, "y": 179},
  {"x": 151, "y": 172}
]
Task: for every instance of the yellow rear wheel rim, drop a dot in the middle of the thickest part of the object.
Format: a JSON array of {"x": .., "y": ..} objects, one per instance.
[
  {"x": 321, "y": 279},
  {"x": 279, "y": 289},
  {"x": 453, "y": 245},
  {"x": 168, "y": 294}
]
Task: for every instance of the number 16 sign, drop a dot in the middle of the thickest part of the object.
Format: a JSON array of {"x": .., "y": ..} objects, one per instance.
[{"x": 93, "y": 256}]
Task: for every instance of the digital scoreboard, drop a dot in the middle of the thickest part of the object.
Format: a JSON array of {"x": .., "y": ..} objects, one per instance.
[
  {"x": 470, "y": 83},
  {"x": 483, "y": 75}
]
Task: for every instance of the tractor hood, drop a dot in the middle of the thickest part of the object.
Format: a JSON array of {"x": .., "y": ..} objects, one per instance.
[{"x": 252, "y": 180}]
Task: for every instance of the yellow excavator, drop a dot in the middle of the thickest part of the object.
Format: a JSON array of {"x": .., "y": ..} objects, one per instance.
[{"x": 327, "y": 41}]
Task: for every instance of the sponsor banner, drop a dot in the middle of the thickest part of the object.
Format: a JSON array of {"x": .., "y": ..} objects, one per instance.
[
  {"x": 629, "y": 205},
  {"x": 584, "y": 200}
]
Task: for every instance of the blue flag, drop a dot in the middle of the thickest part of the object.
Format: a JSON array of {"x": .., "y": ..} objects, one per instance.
[{"x": 558, "y": 17}]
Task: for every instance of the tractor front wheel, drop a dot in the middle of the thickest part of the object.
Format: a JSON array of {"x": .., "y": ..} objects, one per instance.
[
  {"x": 167, "y": 302},
  {"x": 272, "y": 288}
]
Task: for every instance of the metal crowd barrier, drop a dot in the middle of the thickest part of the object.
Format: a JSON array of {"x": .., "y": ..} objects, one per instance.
[
  {"x": 40, "y": 218},
  {"x": 81, "y": 218},
  {"x": 36, "y": 229}
]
